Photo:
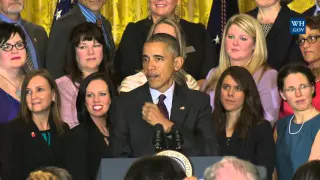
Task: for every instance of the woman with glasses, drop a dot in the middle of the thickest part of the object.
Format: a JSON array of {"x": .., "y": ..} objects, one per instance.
[
  {"x": 297, "y": 136},
  {"x": 12, "y": 60},
  {"x": 310, "y": 47}
]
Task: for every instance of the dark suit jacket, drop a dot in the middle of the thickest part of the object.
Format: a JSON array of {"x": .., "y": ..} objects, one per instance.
[
  {"x": 86, "y": 146},
  {"x": 310, "y": 11},
  {"x": 281, "y": 45},
  {"x": 59, "y": 43},
  {"x": 258, "y": 148},
  {"x": 131, "y": 136},
  {"x": 25, "y": 150},
  {"x": 198, "y": 64},
  {"x": 39, "y": 39}
]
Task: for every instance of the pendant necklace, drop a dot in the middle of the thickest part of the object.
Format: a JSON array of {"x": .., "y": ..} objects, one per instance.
[{"x": 18, "y": 90}]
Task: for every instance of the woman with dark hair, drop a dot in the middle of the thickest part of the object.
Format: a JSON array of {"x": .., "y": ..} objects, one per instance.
[
  {"x": 238, "y": 119},
  {"x": 35, "y": 138},
  {"x": 308, "y": 171},
  {"x": 297, "y": 136},
  {"x": 88, "y": 142},
  {"x": 155, "y": 167},
  {"x": 87, "y": 56},
  {"x": 12, "y": 60}
]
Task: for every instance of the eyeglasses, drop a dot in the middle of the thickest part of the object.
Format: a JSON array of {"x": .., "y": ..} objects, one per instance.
[
  {"x": 310, "y": 39},
  {"x": 301, "y": 87},
  {"x": 9, "y": 47}
]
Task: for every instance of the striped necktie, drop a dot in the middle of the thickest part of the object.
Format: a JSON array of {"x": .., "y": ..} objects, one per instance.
[{"x": 29, "y": 63}]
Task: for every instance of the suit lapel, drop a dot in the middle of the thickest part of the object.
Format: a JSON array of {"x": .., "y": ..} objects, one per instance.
[
  {"x": 144, "y": 95},
  {"x": 278, "y": 25},
  {"x": 179, "y": 108}
]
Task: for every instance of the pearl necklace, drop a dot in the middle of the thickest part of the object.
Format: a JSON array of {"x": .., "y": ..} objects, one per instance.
[{"x": 301, "y": 125}]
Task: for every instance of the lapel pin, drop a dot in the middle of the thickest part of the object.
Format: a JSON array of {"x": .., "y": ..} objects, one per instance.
[
  {"x": 33, "y": 134},
  {"x": 182, "y": 108},
  {"x": 35, "y": 40}
]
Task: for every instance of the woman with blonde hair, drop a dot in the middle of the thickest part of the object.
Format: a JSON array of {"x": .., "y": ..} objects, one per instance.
[
  {"x": 244, "y": 45},
  {"x": 171, "y": 27}
]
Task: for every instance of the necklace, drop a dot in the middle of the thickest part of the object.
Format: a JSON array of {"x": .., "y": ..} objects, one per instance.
[
  {"x": 300, "y": 126},
  {"x": 18, "y": 90}
]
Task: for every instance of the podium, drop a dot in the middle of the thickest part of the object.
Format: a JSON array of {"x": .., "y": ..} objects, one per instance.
[{"x": 116, "y": 168}]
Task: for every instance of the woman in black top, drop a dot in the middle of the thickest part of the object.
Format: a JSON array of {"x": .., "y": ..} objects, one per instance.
[
  {"x": 88, "y": 142},
  {"x": 35, "y": 138},
  {"x": 238, "y": 120}
]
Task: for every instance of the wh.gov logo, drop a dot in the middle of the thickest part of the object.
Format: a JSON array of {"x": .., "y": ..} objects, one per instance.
[{"x": 297, "y": 25}]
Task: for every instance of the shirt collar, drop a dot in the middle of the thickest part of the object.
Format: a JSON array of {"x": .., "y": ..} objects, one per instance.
[
  {"x": 89, "y": 15},
  {"x": 168, "y": 93},
  {"x": 5, "y": 18}
]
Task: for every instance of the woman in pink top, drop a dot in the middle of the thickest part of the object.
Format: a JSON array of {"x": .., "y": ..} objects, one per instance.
[
  {"x": 310, "y": 47},
  {"x": 244, "y": 45},
  {"x": 88, "y": 55}
]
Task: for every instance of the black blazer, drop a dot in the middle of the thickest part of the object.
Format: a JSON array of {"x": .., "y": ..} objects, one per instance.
[
  {"x": 39, "y": 39},
  {"x": 258, "y": 148},
  {"x": 25, "y": 150},
  {"x": 59, "y": 44},
  {"x": 86, "y": 146},
  {"x": 281, "y": 45},
  {"x": 310, "y": 11},
  {"x": 198, "y": 64},
  {"x": 131, "y": 136}
]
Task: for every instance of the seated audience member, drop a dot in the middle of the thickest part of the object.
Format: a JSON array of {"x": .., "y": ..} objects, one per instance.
[
  {"x": 88, "y": 142},
  {"x": 12, "y": 60},
  {"x": 232, "y": 168},
  {"x": 201, "y": 53},
  {"x": 314, "y": 10},
  {"x": 297, "y": 136},
  {"x": 308, "y": 171},
  {"x": 274, "y": 18},
  {"x": 87, "y": 56},
  {"x": 163, "y": 108},
  {"x": 155, "y": 167},
  {"x": 237, "y": 118},
  {"x": 310, "y": 47},
  {"x": 50, "y": 173},
  {"x": 244, "y": 45},
  {"x": 35, "y": 138},
  {"x": 84, "y": 11},
  {"x": 172, "y": 27}
]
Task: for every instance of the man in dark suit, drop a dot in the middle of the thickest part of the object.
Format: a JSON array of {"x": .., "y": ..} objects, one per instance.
[
  {"x": 36, "y": 36},
  {"x": 314, "y": 10},
  {"x": 84, "y": 11},
  {"x": 136, "y": 115}
]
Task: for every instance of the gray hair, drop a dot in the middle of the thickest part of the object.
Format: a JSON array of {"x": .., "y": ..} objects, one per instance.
[{"x": 247, "y": 169}]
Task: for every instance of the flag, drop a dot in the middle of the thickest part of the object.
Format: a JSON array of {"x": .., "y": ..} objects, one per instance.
[
  {"x": 221, "y": 11},
  {"x": 63, "y": 7}
]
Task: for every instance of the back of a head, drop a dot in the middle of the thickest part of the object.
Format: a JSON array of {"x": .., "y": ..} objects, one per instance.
[
  {"x": 50, "y": 173},
  {"x": 232, "y": 168},
  {"x": 155, "y": 167},
  {"x": 308, "y": 171}
]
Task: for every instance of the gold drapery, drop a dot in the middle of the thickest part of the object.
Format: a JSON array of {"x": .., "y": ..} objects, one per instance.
[{"x": 121, "y": 12}]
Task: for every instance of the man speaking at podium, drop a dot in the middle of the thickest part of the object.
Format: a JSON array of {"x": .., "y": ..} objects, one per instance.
[{"x": 162, "y": 114}]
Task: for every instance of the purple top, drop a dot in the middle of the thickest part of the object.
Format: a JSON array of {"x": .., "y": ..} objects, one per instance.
[
  {"x": 9, "y": 107},
  {"x": 268, "y": 90}
]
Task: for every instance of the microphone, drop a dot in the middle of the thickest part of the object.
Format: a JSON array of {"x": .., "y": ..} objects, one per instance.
[
  {"x": 158, "y": 138},
  {"x": 177, "y": 138}
]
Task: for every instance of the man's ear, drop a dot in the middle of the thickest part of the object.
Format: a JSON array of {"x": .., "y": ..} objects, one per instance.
[{"x": 178, "y": 63}]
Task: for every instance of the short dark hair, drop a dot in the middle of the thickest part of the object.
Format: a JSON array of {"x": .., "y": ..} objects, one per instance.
[
  {"x": 313, "y": 22},
  {"x": 85, "y": 32},
  {"x": 84, "y": 117},
  {"x": 172, "y": 42},
  {"x": 155, "y": 167},
  {"x": 293, "y": 69},
  {"x": 252, "y": 110},
  {"x": 8, "y": 29},
  {"x": 308, "y": 171}
]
